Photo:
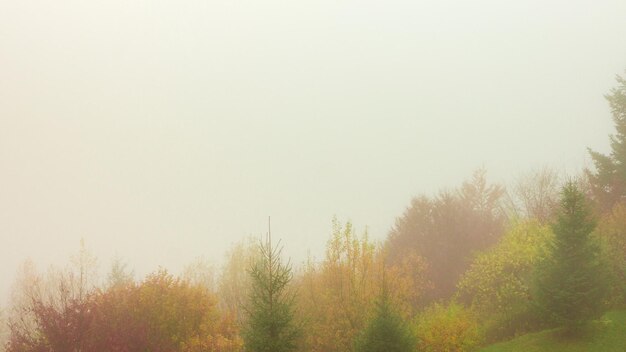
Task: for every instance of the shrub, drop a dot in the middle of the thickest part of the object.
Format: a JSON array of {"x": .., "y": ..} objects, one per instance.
[{"x": 448, "y": 328}]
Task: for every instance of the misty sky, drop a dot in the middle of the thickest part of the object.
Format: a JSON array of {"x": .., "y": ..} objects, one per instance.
[{"x": 161, "y": 131}]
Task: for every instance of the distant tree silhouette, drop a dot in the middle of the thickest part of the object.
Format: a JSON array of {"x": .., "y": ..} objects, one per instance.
[{"x": 447, "y": 229}]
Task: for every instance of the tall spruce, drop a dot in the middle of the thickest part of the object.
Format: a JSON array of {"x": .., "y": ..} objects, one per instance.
[
  {"x": 608, "y": 182},
  {"x": 387, "y": 331},
  {"x": 570, "y": 285},
  {"x": 270, "y": 325}
]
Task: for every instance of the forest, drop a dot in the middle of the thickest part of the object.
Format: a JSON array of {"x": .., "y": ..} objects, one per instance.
[{"x": 461, "y": 270}]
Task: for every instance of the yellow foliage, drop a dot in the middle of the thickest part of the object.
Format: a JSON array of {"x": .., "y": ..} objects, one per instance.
[
  {"x": 497, "y": 285},
  {"x": 451, "y": 328},
  {"x": 337, "y": 295}
]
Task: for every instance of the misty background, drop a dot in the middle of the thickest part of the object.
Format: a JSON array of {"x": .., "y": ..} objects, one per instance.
[{"x": 160, "y": 131}]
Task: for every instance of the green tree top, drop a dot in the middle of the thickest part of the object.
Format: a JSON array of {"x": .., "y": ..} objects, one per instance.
[
  {"x": 387, "y": 331},
  {"x": 270, "y": 326},
  {"x": 609, "y": 179}
]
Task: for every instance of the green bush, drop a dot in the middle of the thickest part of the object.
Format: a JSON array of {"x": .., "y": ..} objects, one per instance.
[
  {"x": 448, "y": 328},
  {"x": 497, "y": 285}
]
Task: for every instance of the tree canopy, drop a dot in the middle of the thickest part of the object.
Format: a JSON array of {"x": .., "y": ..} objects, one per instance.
[{"x": 447, "y": 229}]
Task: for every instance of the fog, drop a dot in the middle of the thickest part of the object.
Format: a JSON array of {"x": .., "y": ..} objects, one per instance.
[{"x": 160, "y": 131}]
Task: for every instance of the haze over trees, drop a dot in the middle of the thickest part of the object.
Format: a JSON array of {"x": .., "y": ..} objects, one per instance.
[
  {"x": 460, "y": 269},
  {"x": 446, "y": 230}
]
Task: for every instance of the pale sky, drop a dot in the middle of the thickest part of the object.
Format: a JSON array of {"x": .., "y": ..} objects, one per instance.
[{"x": 161, "y": 131}]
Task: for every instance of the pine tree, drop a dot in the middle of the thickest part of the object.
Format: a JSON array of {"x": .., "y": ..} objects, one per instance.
[
  {"x": 608, "y": 182},
  {"x": 387, "y": 331},
  {"x": 570, "y": 285},
  {"x": 270, "y": 325}
]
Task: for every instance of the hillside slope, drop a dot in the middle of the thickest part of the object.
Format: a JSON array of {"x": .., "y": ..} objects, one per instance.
[{"x": 606, "y": 336}]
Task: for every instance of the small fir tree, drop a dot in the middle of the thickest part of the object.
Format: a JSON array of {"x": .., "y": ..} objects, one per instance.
[
  {"x": 270, "y": 325},
  {"x": 387, "y": 331},
  {"x": 570, "y": 285}
]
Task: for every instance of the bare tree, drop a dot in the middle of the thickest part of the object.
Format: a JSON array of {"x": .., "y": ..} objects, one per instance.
[
  {"x": 200, "y": 272},
  {"x": 26, "y": 289},
  {"x": 234, "y": 282},
  {"x": 120, "y": 275},
  {"x": 59, "y": 291},
  {"x": 535, "y": 195}
]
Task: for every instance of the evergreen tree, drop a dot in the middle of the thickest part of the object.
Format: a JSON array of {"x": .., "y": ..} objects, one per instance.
[
  {"x": 570, "y": 285},
  {"x": 270, "y": 325},
  {"x": 608, "y": 182},
  {"x": 387, "y": 331}
]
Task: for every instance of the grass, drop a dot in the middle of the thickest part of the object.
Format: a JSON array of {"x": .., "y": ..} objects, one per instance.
[{"x": 606, "y": 335}]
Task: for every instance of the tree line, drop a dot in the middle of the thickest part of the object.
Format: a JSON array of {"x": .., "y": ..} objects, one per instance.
[{"x": 459, "y": 269}]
